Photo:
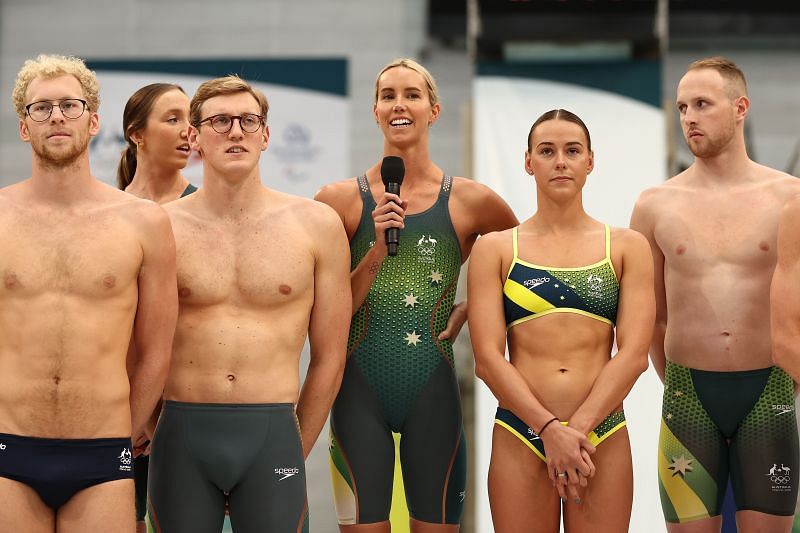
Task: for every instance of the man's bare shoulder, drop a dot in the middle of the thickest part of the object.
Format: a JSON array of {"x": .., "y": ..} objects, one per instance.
[
  {"x": 307, "y": 211},
  {"x": 652, "y": 201},
  {"x": 791, "y": 212},
  {"x": 781, "y": 182},
  {"x": 184, "y": 205}
]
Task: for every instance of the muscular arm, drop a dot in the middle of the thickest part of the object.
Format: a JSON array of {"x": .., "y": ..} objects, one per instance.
[
  {"x": 487, "y": 331},
  {"x": 785, "y": 294},
  {"x": 634, "y": 325},
  {"x": 642, "y": 221},
  {"x": 156, "y": 314},
  {"x": 327, "y": 330}
]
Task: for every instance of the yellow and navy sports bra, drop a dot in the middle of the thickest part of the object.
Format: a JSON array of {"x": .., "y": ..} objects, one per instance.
[{"x": 531, "y": 291}]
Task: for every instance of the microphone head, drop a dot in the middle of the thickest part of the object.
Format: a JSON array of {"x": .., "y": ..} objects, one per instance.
[{"x": 392, "y": 170}]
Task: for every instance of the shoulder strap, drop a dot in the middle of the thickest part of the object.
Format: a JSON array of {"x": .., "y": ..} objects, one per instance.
[
  {"x": 447, "y": 185},
  {"x": 608, "y": 242},
  {"x": 514, "y": 242},
  {"x": 366, "y": 194}
]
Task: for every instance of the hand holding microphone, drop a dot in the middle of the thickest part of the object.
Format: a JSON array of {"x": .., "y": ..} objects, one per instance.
[{"x": 392, "y": 173}]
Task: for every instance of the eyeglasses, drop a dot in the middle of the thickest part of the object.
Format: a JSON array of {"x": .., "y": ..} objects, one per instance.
[
  {"x": 249, "y": 122},
  {"x": 71, "y": 108}
]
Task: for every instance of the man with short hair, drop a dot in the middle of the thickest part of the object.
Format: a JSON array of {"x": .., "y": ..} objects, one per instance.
[
  {"x": 713, "y": 234},
  {"x": 84, "y": 267},
  {"x": 257, "y": 270}
]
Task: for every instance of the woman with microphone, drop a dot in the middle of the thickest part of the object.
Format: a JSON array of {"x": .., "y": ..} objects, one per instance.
[{"x": 400, "y": 375}]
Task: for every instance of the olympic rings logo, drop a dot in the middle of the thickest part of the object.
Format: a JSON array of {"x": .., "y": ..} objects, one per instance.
[
  {"x": 780, "y": 480},
  {"x": 426, "y": 251}
]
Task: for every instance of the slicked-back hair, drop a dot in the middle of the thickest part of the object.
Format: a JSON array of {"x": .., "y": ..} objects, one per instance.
[
  {"x": 430, "y": 82},
  {"x": 561, "y": 114},
  {"x": 134, "y": 118}
]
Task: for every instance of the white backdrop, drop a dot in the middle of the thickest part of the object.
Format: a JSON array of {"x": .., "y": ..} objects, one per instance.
[{"x": 628, "y": 140}]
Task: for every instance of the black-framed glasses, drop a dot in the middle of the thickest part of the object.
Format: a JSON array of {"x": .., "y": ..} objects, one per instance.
[
  {"x": 249, "y": 122},
  {"x": 71, "y": 108}
]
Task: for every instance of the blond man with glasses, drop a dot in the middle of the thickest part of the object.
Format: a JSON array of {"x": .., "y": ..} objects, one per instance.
[{"x": 85, "y": 268}]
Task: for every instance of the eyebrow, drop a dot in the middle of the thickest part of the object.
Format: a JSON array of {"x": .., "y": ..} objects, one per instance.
[
  {"x": 570, "y": 143},
  {"x": 409, "y": 88}
]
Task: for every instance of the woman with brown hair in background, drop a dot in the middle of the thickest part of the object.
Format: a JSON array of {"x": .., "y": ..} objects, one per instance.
[{"x": 156, "y": 125}]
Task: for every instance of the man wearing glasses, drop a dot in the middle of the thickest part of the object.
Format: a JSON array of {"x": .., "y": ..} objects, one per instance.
[
  {"x": 258, "y": 270},
  {"x": 84, "y": 266}
]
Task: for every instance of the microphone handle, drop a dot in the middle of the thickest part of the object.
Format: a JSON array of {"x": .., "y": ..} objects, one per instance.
[{"x": 393, "y": 234}]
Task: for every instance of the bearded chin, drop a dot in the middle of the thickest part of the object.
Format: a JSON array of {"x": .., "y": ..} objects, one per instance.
[{"x": 63, "y": 157}]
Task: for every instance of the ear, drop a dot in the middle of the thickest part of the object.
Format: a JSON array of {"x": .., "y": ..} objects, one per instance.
[
  {"x": 94, "y": 124},
  {"x": 528, "y": 164},
  {"x": 194, "y": 140},
  {"x": 590, "y": 166},
  {"x": 136, "y": 136},
  {"x": 435, "y": 110},
  {"x": 24, "y": 132},
  {"x": 266, "y": 138},
  {"x": 742, "y": 107},
  {"x": 375, "y": 113}
]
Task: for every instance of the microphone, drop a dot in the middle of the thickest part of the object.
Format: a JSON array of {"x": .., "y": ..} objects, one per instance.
[{"x": 392, "y": 172}]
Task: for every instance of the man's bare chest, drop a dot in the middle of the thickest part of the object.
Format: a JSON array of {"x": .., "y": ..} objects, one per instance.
[
  {"x": 84, "y": 256},
  {"x": 260, "y": 266},
  {"x": 706, "y": 230}
]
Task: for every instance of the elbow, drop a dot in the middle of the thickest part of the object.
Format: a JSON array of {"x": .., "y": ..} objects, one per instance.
[
  {"x": 481, "y": 370},
  {"x": 642, "y": 364}
]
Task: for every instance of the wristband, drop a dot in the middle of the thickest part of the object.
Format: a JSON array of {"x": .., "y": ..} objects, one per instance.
[{"x": 547, "y": 424}]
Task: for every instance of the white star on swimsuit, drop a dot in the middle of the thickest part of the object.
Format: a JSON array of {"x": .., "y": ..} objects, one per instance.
[
  {"x": 680, "y": 465},
  {"x": 410, "y": 300},
  {"x": 435, "y": 277},
  {"x": 412, "y": 338}
]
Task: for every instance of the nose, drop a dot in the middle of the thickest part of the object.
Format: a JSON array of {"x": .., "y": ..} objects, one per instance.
[
  {"x": 236, "y": 127},
  {"x": 688, "y": 117},
  {"x": 53, "y": 111},
  {"x": 561, "y": 162}
]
